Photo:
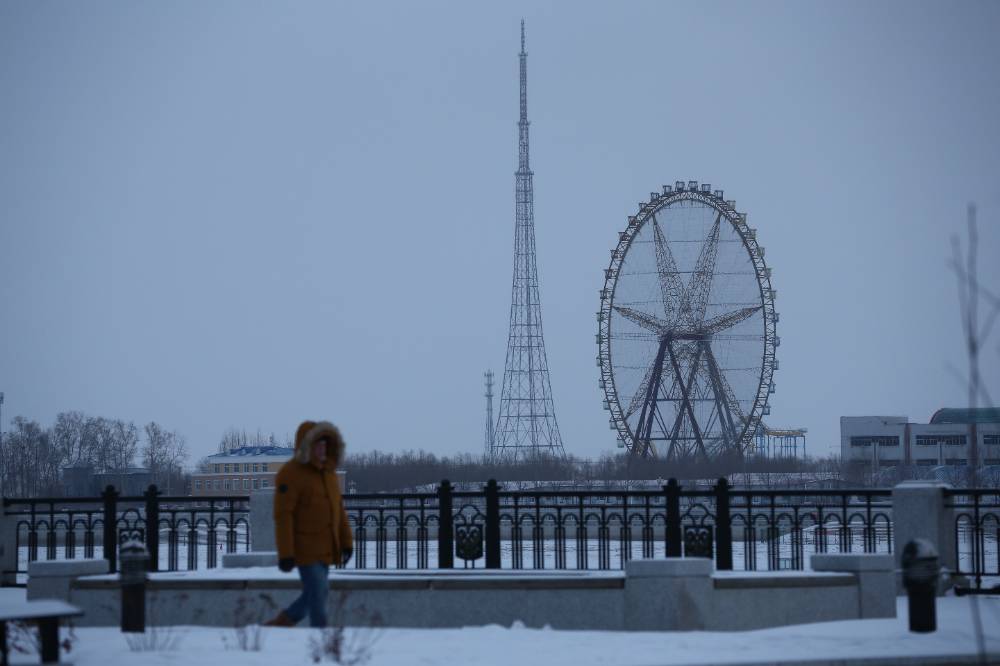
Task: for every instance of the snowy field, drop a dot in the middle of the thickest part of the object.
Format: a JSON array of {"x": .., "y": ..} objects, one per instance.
[{"x": 955, "y": 641}]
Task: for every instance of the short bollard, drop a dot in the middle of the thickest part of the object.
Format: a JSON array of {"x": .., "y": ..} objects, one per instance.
[
  {"x": 134, "y": 567},
  {"x": 920, "y": 575}
]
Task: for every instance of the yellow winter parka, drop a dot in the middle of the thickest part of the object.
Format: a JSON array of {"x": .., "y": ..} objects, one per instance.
[{"x": 309, "y": 517}]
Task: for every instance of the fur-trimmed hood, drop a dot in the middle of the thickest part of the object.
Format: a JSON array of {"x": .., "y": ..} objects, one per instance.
[{"x": 310, "y": 431}]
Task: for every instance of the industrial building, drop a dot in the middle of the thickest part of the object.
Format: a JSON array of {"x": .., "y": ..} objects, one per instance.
[{"x": 954, "y": 437}]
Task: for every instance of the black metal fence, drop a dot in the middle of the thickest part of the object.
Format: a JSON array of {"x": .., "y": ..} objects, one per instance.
[
  {"x": 495, "y": 528},
  {"x": 743, "y": 529},
  {"x": 192, "y": 530},
  {"x": 977, "y": 531}
]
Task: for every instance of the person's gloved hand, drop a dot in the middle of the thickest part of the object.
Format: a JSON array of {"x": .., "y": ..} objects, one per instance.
[
  {"x": 286, "y": 564},
  {"x": 345, "y": 556}
]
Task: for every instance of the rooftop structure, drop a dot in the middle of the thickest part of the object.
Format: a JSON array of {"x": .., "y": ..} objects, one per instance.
[{"x": 965, "y": 415}]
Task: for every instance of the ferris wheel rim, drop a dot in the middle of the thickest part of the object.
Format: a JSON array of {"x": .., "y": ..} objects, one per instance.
[{"x": 766, "y": 293}]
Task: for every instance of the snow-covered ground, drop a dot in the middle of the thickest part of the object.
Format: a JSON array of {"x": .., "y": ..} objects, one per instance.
[{"x": 494, "y": 645}]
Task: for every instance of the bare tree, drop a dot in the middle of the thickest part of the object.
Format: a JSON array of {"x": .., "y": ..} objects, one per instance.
[
  {"x": 69, "y": 439},
  {"x": 234, "y": 439},
  {"x": 124, "y": 445},
  {"x": 164, "y": 454},
  {"x": 28, "y": 460}
]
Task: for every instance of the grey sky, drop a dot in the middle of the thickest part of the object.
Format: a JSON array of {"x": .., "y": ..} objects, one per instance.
[{"x": 246, "y": 214}]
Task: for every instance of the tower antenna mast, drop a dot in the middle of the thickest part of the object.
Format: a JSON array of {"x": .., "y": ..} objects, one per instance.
[{"x": 526, "y": 426}]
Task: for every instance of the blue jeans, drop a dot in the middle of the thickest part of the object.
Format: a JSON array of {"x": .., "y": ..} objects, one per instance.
[{"x": 315, "y": 586}]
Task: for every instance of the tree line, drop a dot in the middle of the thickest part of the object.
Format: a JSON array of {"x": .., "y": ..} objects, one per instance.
[
  {"x": 378, "y": 471},
  {"x": 33, "y": 458}
]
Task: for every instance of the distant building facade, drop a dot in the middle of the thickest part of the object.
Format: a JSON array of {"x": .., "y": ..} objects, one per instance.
[
  {"x": 241, "y": 471},
  {"x": 954, "y": 437},
  {"x": 83, "y": 481}
]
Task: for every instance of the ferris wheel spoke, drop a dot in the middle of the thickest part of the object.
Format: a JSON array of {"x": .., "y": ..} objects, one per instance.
[
  {"x": 728, "y": 320},
  {"x": 704, "y": 270},
  {"x": 729, "y": 396},
  {"x": 646, "y": 321},
  {"x": 723, "y": 408},
  {"x": 640, "y": 393},
  {"x": 671, "y": 289}
]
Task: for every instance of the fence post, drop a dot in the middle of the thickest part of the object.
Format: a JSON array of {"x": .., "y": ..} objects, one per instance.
[
  {"x": 8, "y": 547},
  {"x": 723, "y": 527},
  {"x": 492, "y": 525},
  {"x": 446, "y": 528},
  {"x": 673, "y": 530},
  {"x": 110, "y": 497},
  {"x": 153, "y": 527}
]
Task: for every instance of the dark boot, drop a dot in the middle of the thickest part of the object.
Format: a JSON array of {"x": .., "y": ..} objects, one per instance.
[{"x": 280, "y": 620}]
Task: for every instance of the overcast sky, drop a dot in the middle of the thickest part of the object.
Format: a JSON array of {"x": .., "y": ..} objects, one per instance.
[{"x": 218, "y": 214}]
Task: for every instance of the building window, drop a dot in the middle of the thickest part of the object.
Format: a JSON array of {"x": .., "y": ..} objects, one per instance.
[
  {"x": 227, "y": 468},
  {"x": 256, "y": 468},
  {"x": 926, "y": 462},
  {"x": 256, "y": 484},
  {"x": 217, "y": 468},
  {"x": 225, "y": 484},
  {"x": 934, "y": 440},
  {"x": 246, "y": 484},
  {"x": 263, "y": 483},
  {"x": 216, "y": 484},
  {"x": 888, "y": 463},
  {"x": 878, "y": 441},
  {"x": 991, "y": 461},
  {"x": 246, "y": 467},
  {"x": 991, "y": 440},
  {"x": 956, "y": 461},
  {"x": 197, "y": 484}
]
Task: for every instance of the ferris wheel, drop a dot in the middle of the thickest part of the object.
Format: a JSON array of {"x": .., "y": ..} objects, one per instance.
[{"x": 686, "y": 329}]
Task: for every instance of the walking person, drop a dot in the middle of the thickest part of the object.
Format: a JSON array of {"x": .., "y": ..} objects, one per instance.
[{"x": 310, "y": 522}]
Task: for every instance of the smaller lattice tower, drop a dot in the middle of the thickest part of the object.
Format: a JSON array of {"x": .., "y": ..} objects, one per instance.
[
  {"x": 488, "y": 375},
  {"x": 526, "y": 426}
]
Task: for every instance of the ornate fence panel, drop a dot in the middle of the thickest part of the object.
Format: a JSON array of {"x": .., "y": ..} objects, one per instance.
[
  {"x": 187, "y": 532},
  {"x": 780, "y": 528},
  {"x": 977, "y": 532},
  {"x": 398, "y": 528}
]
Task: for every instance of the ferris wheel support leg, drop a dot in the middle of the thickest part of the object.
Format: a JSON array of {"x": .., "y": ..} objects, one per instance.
[
  {"x": 645, "y": 424},
  {"x": 686, "y": 399}
]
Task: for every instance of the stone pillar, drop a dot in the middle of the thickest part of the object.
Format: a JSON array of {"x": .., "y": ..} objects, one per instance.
[
  {"x": 51, "y": 579},
  {"x": 8, "y": 549},
  {"x": 876, "y": 579},
  {"x": 918, "y": 512},
  {"x": 668, "y": 595},
  {"x": 262, "y": 520}
]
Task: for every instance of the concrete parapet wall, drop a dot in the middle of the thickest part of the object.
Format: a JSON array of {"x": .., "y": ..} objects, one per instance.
[
  {"x": 650, "y": 595},
  {"x": 427, "y": 600}
]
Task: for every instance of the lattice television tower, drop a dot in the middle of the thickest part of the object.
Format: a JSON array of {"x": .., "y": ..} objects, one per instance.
[{"x": 526, "y": 426}]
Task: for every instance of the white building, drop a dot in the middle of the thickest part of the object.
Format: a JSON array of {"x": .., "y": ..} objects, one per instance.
[
  {"x": 240, "y": 471},
  {"x": 956, "y": 437}
]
